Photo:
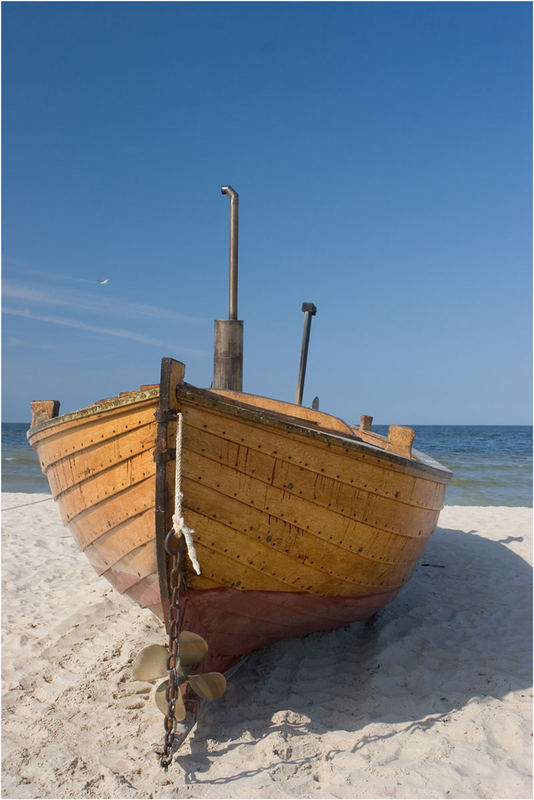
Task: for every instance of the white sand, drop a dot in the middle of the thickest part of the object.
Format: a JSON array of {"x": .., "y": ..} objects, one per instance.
[{"x": 433, "y": 700}]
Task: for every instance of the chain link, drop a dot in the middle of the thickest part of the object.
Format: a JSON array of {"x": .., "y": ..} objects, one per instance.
[{"x": 176, "y": 552}]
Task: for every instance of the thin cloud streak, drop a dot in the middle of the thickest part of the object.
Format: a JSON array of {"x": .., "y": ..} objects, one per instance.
[
  {"x": 120, "y": 333},
  {"x": 83, "y": 301},
  {"x": 22, "y": 269}
]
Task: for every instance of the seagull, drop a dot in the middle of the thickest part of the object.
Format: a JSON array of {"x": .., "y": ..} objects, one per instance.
[{"x": 102, "y": 282}]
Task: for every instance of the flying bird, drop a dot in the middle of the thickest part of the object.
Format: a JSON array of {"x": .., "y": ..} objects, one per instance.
[{"x": 104, "y": 281}]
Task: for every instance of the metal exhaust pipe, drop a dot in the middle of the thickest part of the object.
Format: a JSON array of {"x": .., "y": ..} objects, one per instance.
[
  {"x": 234, "y": 232},
  {"x": 309, "y": 311},
  {"x": 228, "y": 337}
]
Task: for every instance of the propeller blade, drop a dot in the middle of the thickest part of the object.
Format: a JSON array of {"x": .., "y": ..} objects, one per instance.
[
  {"x": 209, "y": 686},
  {"x": 151, "y": 663},
  {"x": 192, "y": 648},
  {"x": 163, "y": 705}
]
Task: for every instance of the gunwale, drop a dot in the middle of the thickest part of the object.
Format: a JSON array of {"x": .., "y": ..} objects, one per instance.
[
  {"x": 100, "y": 407},
  {"x": 420, "y": 462},
  {"x": 279, "y": 447},
  {"x": 293, "y": 426}
]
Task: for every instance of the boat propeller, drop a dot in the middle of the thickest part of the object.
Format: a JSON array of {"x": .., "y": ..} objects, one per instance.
[{"x": 151, "y": 664}]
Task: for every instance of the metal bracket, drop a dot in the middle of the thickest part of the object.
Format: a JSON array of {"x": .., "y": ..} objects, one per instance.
[
  {"x": 162, "y": 456},
  {"x": 165, "y": 415}
]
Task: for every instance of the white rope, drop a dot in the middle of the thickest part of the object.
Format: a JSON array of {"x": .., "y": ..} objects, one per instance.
[{"x": 178, "y": 521}]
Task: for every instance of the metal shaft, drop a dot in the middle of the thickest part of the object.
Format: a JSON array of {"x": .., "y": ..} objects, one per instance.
[
  {"x": 234, "y": 231},
  {"x": 228, "y": 334},
  {"x": 309, "y": 311}
]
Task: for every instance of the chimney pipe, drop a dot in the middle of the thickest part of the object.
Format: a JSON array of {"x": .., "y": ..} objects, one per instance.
[
  {"x": 228, "y": 337},
  {"x": 234, "y": 231}
]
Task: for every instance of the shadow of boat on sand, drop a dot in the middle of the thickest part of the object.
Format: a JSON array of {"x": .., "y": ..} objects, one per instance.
[{"x": 461, "y": 630}]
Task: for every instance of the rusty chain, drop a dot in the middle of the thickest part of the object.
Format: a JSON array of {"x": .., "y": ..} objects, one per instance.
[{"x": 176, "y": 552}]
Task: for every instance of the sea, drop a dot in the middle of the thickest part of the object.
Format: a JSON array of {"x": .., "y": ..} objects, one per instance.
[{"x": 491, "y": 464}]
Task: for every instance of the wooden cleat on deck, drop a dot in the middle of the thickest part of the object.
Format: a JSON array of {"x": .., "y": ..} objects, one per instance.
[
  {"x": 43, "y": 410},
  {"x": 400, "y": 440},
  {"x": 365, "y": 422}
]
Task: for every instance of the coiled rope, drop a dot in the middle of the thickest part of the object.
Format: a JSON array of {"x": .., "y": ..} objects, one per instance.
[{"x": 178, "y": 522}]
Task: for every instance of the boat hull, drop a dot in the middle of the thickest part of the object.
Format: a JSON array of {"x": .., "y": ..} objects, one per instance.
[
  {"x": 299, "y": 525},
  {"x": 100, "y": 467},
  {"x": 237, "y": 623}
]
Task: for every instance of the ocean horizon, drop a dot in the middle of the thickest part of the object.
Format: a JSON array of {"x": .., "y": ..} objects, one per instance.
[{"x": 491, "y": 464}]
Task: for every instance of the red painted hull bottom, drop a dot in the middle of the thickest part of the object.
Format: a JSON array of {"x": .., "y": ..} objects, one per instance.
[{"x": 235, "y": 623}]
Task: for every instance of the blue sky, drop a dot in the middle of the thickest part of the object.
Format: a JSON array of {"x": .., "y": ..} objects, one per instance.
[{"x": 382, "y": 153}]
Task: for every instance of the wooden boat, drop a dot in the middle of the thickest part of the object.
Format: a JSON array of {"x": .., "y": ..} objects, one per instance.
[{"x": 301, "y": 521}]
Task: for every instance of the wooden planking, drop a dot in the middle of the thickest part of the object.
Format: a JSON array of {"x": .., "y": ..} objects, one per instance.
[
  {"x": 114, "y": 544},
  {"x": 310, "y": 415},
  {"x": 90, "y": 493},
  {"x": 247, "y": 535},
  {"x": 101, "y": 470},
  {"x": 334, "y": 543},
  {"x": 232, "y": 558},
  {"x": 399, "y": 439},
  {"x": 157, "y": 610},
  {"x": 203, "y": 582},
  {"x": 299, "y": 431},
  {"x": 108, "y": 405},
  {"x": 220, "y": 564},
  {"x": 253, "y": 564},
  {"x": 376, "y": 512},
  {"x": 81, "y": 422},
  {"x": 350, "y": 467},
  {"x": 133, "y": 567},
  {"x": 146, "y": 592},
  {"x": 85, "y": 464},
  {"x": 70, "y": 435},
  {"x": 111, "y": 512}
]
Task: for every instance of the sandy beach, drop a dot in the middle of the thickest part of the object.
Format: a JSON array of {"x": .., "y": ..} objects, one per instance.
[{"x": 433, "y": 699}]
